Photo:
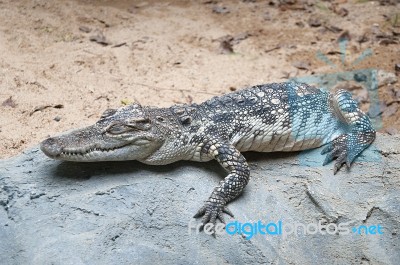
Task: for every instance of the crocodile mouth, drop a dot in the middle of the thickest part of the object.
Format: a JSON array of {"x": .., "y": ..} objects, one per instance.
[
  {"x": 54, "y": 149},
  {"x": 89, "y": 154},
  {"x": 68, "y": 153}
]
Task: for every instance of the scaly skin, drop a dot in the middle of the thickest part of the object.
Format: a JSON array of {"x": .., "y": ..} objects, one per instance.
[{"x": 265, "y": 118}]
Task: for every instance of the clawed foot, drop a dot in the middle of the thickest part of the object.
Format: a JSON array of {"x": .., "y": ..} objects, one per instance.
[
  {"x": 338, "y": 149},
  {"x": 211, "y": 211}
]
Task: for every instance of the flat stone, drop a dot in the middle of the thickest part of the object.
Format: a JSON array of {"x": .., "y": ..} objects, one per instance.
[{"x": 54, "y": 212}]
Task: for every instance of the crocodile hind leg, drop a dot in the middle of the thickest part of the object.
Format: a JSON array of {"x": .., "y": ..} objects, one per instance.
[
  {"x": 229, "y": 188},
  {"x": 359, "y": 133}
]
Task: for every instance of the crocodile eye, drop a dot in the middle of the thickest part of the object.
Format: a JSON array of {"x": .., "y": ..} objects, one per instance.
[
  {"x": 142, "y": 123},
  {"x": 107, "y": 113},
  {"x": 118, "y": 129}
]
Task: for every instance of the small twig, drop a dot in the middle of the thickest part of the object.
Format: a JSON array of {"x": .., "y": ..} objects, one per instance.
[
  {"x": 119, "y": 45},
  {"x": 273, "y": 49},
  {"x": 393, "y": 101},
  {"x": 40, "y": 108}
]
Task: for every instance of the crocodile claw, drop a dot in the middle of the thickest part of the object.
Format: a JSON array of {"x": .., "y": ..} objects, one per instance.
[
  {"x": 338, "y": 150},
  {"x": 210, "y": 212},
  {"x": 328, "y": 148}
]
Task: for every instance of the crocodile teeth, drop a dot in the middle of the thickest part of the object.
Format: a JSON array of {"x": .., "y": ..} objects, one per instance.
[{"x": 86, "y": 152}]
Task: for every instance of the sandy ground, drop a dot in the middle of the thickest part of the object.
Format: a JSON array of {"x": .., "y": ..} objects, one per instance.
[{"x": 64, "y": 62}]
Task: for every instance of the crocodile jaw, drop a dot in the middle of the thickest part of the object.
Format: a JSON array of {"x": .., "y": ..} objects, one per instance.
[
  {"x": 90, "y": 154},
  {"x": 91, "y": 145}
]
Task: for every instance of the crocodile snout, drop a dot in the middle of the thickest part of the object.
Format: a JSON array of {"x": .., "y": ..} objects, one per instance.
[{"x": 51, "y": 147}]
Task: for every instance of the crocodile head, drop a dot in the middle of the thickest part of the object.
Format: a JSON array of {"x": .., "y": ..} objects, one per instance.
[{"x": 120, "y": 134}]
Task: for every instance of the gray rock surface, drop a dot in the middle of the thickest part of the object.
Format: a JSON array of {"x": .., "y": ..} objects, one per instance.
[{"x": 55, "y": 212}]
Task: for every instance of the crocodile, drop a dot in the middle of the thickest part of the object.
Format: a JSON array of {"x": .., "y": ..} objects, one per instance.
[{"x": 273, "y": 117}]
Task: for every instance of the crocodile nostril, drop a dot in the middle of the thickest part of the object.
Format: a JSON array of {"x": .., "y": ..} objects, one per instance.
[
  {"x": 51, "y": 147},
  {"x": 50, "y": 141}
]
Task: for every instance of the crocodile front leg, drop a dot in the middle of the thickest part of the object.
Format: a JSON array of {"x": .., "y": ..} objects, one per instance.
[{"x": 228, "y": 189}]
